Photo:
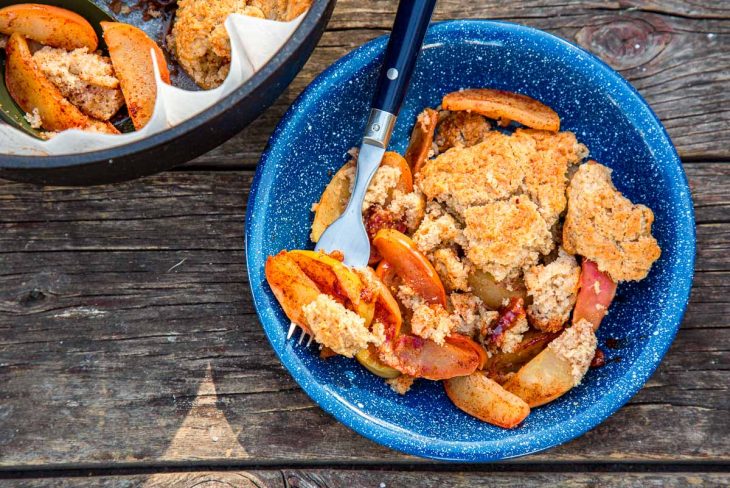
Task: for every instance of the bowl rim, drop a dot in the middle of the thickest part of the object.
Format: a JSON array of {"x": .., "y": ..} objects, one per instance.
[
  {"x": 34, "y": 162},
  {"x": 519, "y": 444}
]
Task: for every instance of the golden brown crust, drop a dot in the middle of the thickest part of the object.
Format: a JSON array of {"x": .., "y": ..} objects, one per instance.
[
  {"x": 506, "y": 236},
  {"x": 545, "y": 179},
  {"x": 604, "y": 226},
  {"x": 200, "y": 40},
  {"x": 282, "y": 10},
  {"x": 529, "y": 161},
  {"x": 464, "y": 177},
  {"x": 508, "y": 189}
]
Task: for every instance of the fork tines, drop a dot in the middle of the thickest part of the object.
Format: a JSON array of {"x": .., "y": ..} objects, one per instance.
[{"x": 292, "y": 329}]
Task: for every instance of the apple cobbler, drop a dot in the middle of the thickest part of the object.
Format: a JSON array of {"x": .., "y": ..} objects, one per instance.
[
  {"x": 496, "y": 253},
  {"x": 199, "y": 38},
  {"x": 57, "y": 74}
]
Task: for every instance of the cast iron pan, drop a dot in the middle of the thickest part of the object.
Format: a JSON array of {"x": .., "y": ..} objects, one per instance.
[{"x": 184, "y": 141}]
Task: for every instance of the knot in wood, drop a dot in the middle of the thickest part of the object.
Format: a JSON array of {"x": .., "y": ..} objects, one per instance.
[
  {"x": 624, "y": 43},
  {"x": 32, "y": 297}
]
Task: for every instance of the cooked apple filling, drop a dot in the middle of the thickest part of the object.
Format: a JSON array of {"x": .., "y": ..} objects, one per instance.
[
  {"x": 495, "y": 255},
  {"x": 86, "y": 79},
  {"x": 55, "y": 73}
]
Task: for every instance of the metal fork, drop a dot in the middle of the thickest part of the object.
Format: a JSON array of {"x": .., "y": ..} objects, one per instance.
[{"x": 347, "y": 234}]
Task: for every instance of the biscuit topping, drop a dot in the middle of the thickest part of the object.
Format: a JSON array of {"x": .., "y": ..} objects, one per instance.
[{"x": 605, "y": 227}]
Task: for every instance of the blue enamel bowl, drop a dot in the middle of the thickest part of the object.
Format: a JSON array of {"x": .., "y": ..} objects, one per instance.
[{"x": 593, "y": 101}]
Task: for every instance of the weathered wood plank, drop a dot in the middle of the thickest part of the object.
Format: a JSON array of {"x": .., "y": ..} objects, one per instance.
[
  {"x": 321, "y": 478},
  {"x": 109, "y": 353},
  {"x": 676, "y": 53}
]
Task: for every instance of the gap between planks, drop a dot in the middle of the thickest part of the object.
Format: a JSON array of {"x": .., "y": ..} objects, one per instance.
[{"x": 517, "y": 465}]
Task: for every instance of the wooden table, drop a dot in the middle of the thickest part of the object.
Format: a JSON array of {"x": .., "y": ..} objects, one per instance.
[{"x": 131, "y": 355}]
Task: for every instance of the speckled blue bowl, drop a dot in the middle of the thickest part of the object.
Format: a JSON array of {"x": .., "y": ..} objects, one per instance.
[{"x": 605, "y": 112}]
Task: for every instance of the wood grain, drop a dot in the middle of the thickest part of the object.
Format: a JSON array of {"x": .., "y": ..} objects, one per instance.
[
  {"x": 121, "y": 307},
  {"x": 676, "y": 53},
  {"x": 384, "y": 479},
  {"x": 128, "y": 339}
]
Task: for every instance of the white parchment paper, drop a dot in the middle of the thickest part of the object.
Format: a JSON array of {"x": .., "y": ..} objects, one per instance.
[{"x": 254, "y": 42}]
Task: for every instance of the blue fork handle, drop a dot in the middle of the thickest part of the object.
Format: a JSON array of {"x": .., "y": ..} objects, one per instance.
[{"x": 405, "y": 42}]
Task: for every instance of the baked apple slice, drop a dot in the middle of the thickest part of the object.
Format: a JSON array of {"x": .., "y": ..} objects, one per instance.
[
  {"x": 387, "y": 310},
  {"x": 423, "y": 358},
  {"x": 130, "y": 51},
  {"x": 31, "y": 90},
  {"x": 505, "y": 107},
  {"x": 333, "y": 201},
  {"x": 337, "y": 193},
  {"x": 421, "y": 139},
  {"x": 546, "y": 377},
  {"x": 411, "y": 265},
  {"x": 494, "y": 294},
  {"x": 501, "y": 364},
  {"x": 485, "y": 399},
  {"x": 292, "y": 288},
  {"x": 405, "y": 182},
  {"x": 596, "y": 293},
  {"x": 465, "y": 342},
  {"x": 369, "y": 359},
  {"x": 48, "y": 25},
  {"x": 338, "y": 281}
]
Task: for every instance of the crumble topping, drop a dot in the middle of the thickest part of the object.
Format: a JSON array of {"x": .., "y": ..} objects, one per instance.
[
  {"x": 473, "y": 317},
  {"x": 553, "y": 288},
  {"x": 340, "y": 329},
  {"x": 514, "y": 335},
  {"x": 438, "y": 228},
  {"x": 577, "y": 345},
  {"x": 411, "y": 205},
  {"x": 401, "y": 384},
  {"x": 34, "y": 119},
  {"x": 605, "y": 227},
  {"x": 506, "y": 236},
  {"x": 453, "y": 271}
]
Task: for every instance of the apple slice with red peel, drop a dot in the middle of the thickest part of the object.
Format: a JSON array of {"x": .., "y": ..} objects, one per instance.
[
  {"x": 596, "y": 293},
  {"x": 411, "y": 265},
  {"x": 292, "y": 288},
  {"x": 485, "y": 399},
  {"x": 49, "y": 25},
  {"x": 421, "y": 139},
  {"x": 338, "y": 281},
  {"x": 31, "y": 90},
  {"x": 505, "y": 107},
  {"x": 423, "y": 358},
  {"x": 501, "y": 364},
  {"x": 387, "y": 311},
  {"x": 465, "y": 342},
  {"x": 130, "y": 51}
]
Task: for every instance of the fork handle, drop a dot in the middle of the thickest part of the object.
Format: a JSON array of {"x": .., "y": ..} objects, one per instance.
[{"x": 409, "y": 30}]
